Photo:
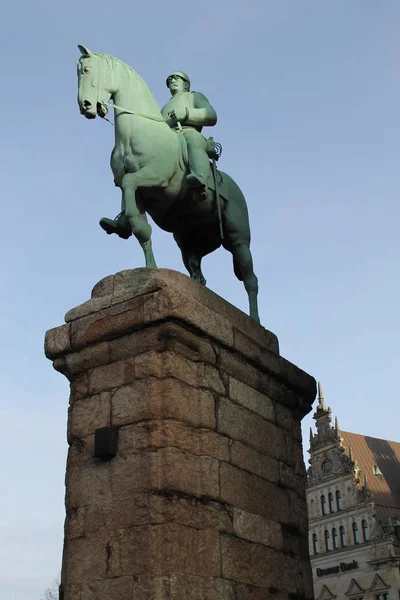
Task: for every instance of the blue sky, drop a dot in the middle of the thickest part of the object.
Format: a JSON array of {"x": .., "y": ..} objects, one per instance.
[{"x": 307, "y": 94}]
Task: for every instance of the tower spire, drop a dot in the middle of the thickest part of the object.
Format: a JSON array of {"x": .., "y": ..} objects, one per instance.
[{"x": 321, "y": 402}]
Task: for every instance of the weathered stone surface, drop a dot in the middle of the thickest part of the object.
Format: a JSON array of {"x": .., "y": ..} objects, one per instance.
[
  {"x": 88, "y": 478},
  {"x": 172, "y": 434},
  {"x": 165, "y": 548},
  {"x": 256, "y": 564},
  {"x": 161, "y": 305},
  {"x": 104, "y": 287},
  {"x": 251, "y": 592},
  {"x": 92, "y": 356},
  {"x": 170, "y": 364},
  {"x": 79, "y": 387},
  {"x": 109, "y": 376},
  {"x": 120, "y": 588},
  {"x": 243, "y": 425},
  {"x": 87, "y": 485},
  {"x": 87, "y": 308},
  {"x": 162, "y": 338},
  {"x": 75, "y": 523},
  {"x": 170, "y": 398},
  {"x": 294, "y": 543},
  {"x": 73, "y": 592},
  {"x": 254, "y": 350},
  {"x": 86, "y": 559},
  {"x": 299, "y": 515},
  {"x": 147, "y": 508},
  {"x": 254, "y": 495},
  {"x": 181, "y": 586},
  {"x": 251, "y": 460},
  {"x": 165, "y": 469},
  {"x": 205, "y": 497},
  {"x": 257, "y": 529},
  {"x": 108, "y": 323},
  {"x": 251, "y": 399},
  {"x": 289, "y": 479},
  {"x": 285, "y": 419},
  {"x": 57, "y": 341},
  {"x": 88, "y": 414}
]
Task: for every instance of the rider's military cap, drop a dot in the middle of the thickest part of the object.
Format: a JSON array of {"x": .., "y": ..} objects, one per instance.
[{"x": 180, "y": 74}]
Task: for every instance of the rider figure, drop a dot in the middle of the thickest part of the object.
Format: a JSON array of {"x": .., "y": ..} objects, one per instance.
[{"x": 193, "y": 111}]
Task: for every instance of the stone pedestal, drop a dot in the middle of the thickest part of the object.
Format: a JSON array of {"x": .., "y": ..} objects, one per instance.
[{"x": 205, "y": 496}]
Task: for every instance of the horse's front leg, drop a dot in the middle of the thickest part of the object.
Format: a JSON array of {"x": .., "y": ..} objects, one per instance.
[{"x": 135, "y": 212}]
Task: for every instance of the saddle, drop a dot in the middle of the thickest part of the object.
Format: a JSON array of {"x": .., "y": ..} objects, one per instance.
[{"x": 213, "y": 149}]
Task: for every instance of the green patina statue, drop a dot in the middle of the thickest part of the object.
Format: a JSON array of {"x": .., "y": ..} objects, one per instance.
[
  {"x": 161, "y": 162},
  {"x": 193, "y": 111}
]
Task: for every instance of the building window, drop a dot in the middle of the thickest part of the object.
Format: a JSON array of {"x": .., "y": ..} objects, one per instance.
[
  {"x": 327, "y": 541},
  {"x": 338, "y": 500},
  {"x": 315, "y": 543},
  {"x": 327, "y": 465},
  {"x": 323, "y": 505},
  {"x": 364, "y": 526},
  {"x": 330, "y": 500},
  {"x": 355, "y": 533},
  {"x": 384, "y": 596},
  {"x": 335, "y": 539},
  {"x": 343, "y": 537}
]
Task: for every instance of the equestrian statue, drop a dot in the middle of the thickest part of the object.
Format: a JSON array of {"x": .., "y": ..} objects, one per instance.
[{"x": 165, "y": 167}]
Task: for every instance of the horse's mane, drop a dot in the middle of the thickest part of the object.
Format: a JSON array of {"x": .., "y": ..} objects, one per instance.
[{"x": 144, "y": 90}]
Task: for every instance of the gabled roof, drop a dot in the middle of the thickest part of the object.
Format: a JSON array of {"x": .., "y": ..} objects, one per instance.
[
  {"x": 378, "y": 584},
  {"x": 374, "y": 455},
  {"x": 326, "y": 594},
  {"x": 354, "y": 588}
]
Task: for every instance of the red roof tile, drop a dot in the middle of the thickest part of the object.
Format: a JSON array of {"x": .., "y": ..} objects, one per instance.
[{"x": 371, "y": 452}]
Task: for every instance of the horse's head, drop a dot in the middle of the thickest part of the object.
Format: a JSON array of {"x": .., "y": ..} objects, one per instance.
[{"x": 92, "y": 90}]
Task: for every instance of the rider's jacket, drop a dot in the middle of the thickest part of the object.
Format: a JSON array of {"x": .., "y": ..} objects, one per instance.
[{"x": 182, "y": 100}]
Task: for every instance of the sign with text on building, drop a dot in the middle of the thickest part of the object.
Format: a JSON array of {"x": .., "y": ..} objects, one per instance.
[{"x": 337, "y": 568}]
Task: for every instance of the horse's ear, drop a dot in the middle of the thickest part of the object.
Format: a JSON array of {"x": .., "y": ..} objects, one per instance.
[{"x": 84, "y": 51}]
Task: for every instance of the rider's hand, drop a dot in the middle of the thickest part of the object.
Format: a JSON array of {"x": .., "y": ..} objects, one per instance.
[{"x": 180, "y": 114}]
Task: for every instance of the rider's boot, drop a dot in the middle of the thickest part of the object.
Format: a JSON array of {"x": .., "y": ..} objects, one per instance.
[
  {"x": 120, "y": 225},
  {"x": 199, "y": 166}
]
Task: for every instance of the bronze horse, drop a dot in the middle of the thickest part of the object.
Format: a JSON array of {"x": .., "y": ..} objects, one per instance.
[{"x": 148, "y": 163}]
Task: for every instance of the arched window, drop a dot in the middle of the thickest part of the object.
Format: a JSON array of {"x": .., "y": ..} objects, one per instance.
[
  {"x": 338, "y": 500},
  {"x": 355, "y": 533},
  {"x": 335, "y": 539},
  {"x": 323, "y": 505},
  {"x": 330, "y": 500},
  {"x": 315, "y": 543},
  {"x": 342, "y": 537},
  {"x": 327, "y": 465},
  {"x": 327, "y": 541},
  {"x": 364, "y": 526}
]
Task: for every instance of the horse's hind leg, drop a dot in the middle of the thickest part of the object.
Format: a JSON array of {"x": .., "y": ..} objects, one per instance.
[
  {"x": 243, "y": 267},
  {"x": 193, "y": 264},
  {"x": 237, "y": 240}
]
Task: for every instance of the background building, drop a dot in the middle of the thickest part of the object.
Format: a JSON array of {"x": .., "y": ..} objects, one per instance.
[{"x": 353, "y": 499}]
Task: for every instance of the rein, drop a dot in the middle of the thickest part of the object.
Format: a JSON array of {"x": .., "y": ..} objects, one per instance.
[{"x": 131, "y": 112}]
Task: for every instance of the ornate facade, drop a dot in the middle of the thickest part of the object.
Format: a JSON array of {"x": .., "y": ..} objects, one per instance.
[{"x": 353, "y": 499}]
